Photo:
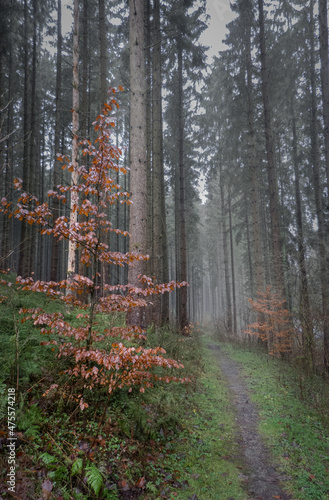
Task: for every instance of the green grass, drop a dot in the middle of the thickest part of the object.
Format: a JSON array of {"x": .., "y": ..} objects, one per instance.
[
  {"x": 296, "y": 432},
  {"x": 19, "y": 341}
]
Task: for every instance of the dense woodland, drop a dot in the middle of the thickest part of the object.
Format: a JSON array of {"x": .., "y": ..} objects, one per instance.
[
  {"x": 254, "y": 123},
  {"x": 164, "y": 225}
]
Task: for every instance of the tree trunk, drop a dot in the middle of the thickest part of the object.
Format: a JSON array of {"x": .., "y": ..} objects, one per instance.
[
  {"x": 318, "y": 201},
  {"x": 138, "y": 209},
  {"x": 182, "y": 231},
  {"x": 271, "y": 169},
  {"x": 71, "y": 265},
  {"x": 33, "y": 178},
  {"x": 305, "y": 309},
  {"x": 226, "y": 257},
  {"x": 54, "y": 271},
  {"x": 232, "y": 263},
  {"x": 84, "y": 115},
  {"x": 102, "y": 51},
  {"x": 323, "y": 23},
  {"x": 159, "y": 215},
  {"x": 254, "y": 173},
  {"x": 7, "y": 242},
  {"x": 24, "y": 258}
]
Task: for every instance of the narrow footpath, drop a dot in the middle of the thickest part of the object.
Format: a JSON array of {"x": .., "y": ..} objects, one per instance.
[{"x": 262, "y": 480}]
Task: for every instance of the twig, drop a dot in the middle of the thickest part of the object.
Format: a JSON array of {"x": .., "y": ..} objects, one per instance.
[
  {"x": 30, "y": 389},
  {"x": 57, "y": 445}
]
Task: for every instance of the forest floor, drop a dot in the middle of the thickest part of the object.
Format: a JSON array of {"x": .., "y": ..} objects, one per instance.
[{"x": 249, "y": 427}]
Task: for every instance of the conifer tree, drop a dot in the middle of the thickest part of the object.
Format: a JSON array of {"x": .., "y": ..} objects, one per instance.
[{"x": 137, "y": 145}]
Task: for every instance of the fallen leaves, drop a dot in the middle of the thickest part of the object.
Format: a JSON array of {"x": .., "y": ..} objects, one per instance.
[
  {"x": 141, "y": 483},
  {"x": 47, "y": 487}
]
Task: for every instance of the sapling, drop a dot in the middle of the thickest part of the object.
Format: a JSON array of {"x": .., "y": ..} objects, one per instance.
[{"x": 109, "y": 358}]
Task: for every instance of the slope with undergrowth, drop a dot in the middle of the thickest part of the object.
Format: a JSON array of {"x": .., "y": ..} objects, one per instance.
[{"x": 173, "y": 441}]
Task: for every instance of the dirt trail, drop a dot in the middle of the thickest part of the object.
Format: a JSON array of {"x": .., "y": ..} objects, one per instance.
[{"x": 262, "y": 480}]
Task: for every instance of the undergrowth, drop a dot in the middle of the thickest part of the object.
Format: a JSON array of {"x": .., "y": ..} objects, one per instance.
[{"x": 65, "y": 453}]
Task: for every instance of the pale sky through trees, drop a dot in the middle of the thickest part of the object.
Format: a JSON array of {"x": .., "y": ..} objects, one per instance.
[{"x": 220, "y": 15}]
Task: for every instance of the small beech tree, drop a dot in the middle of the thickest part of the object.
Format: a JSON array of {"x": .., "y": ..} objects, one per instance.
[
  {"x": 273, "y": 326},
  {"x": 98, "y": 357}
]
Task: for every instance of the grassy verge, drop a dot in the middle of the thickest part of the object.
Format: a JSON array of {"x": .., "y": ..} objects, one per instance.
[{"x": 294, "y": 420}]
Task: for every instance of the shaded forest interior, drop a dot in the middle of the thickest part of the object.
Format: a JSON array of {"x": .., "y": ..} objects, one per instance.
[{"x": 251, "y": 127}]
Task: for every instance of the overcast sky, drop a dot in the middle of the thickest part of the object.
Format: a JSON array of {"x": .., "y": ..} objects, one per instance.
[{"x": 220, "y": 15}]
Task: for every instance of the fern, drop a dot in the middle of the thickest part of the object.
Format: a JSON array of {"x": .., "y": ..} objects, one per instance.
[
  {"x": 59, "y": 475},
  {"x": 152, "y": 487},
  {"x": 66, "y": 493},
  {"x": 30, "y": 420},
  {"x": 94, "y": 478},
  {"x": 48, "y": 459},
  {"x": 77, "y": 467}
]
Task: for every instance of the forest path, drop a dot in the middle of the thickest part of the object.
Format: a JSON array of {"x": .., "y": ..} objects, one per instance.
[{"x": 261, "y": 477}]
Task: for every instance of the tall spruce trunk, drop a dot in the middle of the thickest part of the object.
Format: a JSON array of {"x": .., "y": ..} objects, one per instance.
[
  {"x": 276, "y": 239},
  {"x": 232, "y": 262},
  {"x": 7, "y": 241},
  {"x": 149, "y": 268},
  {"x": 138, "y": 208},
  {"x": 24, "y": 258},
  {"x": 323, "y": 23},
  {"x": 183, "y": 323},
  {"x": 54, "y": 268},
  {"x": 84, "y": 116},
  {"x": 225, "y": 252},
  {"x": 305, "y": 308},
  {"x": 254, "y": 173},
  {"x": 33, "y": 159},
  {"x": 318, "y": 191},
  {"x": 161, "y": 304},
  {"x": 102, "y": 51}
]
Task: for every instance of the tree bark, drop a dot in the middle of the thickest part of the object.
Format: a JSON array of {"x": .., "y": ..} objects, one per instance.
[
  {"x": 276, "y": 238},
  {"x": 232, "y": 262},
  {"x": 71, "y": 264},
  {"x": 138, "y": 209},
  {"x": 318, "y": 200},
  {"x": 7, "y": 242},
  {"x": 183, "y": 323},
  {"x": 159, "y": 215},
  {"x": 54, "y": 271},
  {"x": 84, "y": 115},
  {"x": 24, "y": 258},
  {"x": 254, "y": 172},
  {"x": 323, "y": 23},
  {"x": 102, "y": 51},
  {"x": 33, "y": 178},
  {"x": 305, "y": 308},
  {"x": 226, "y": 257}
]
